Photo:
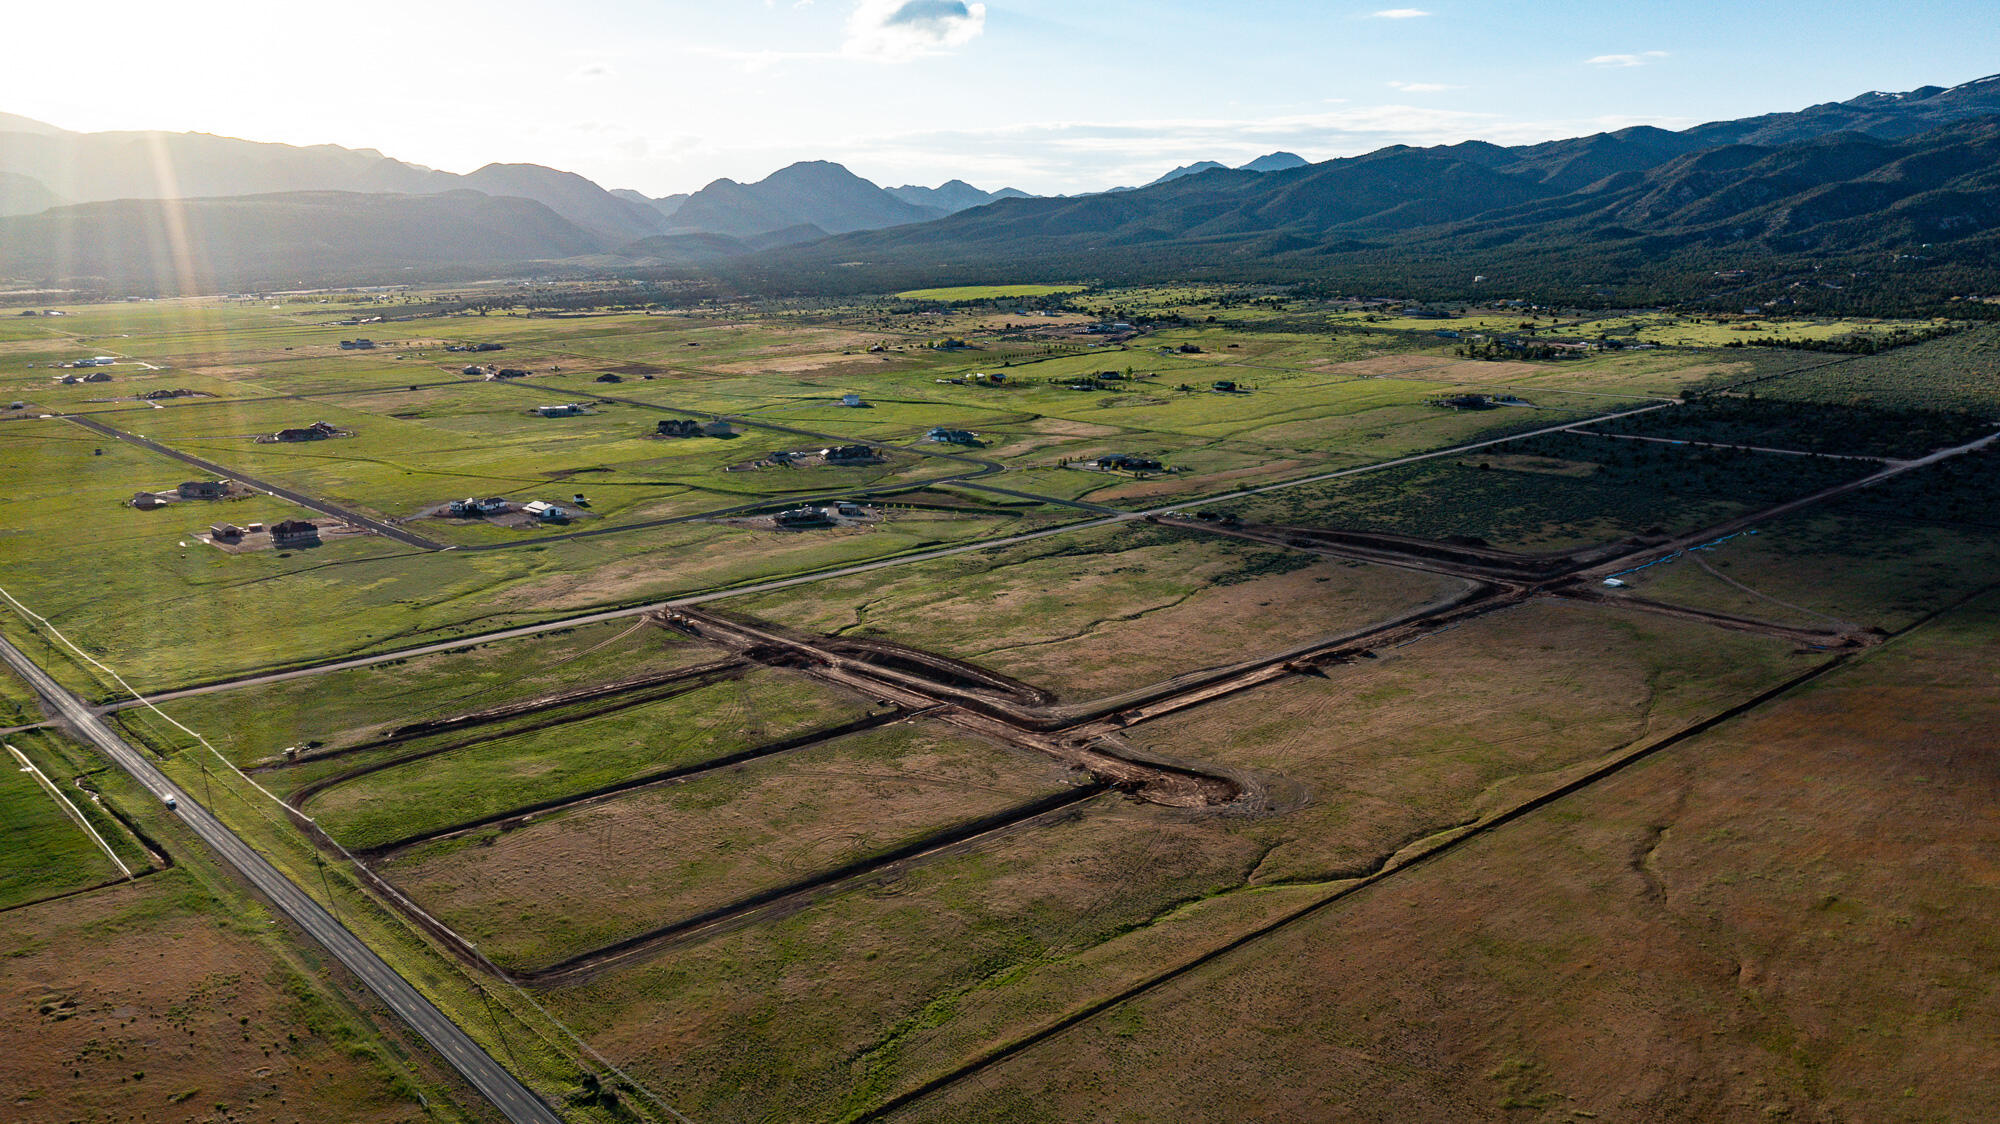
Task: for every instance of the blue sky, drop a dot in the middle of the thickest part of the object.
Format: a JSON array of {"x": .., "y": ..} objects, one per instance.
[{"x": 1050, "y": 97}]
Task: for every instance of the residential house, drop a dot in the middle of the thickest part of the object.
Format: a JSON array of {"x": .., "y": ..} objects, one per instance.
[
  {"x": 802, "y": 517},
  {"x": 294, "y": 532},
  {"x": 204, "y": 489},
  {"x": 679, "y": 427},
  {"x": 943, "y": 436}
]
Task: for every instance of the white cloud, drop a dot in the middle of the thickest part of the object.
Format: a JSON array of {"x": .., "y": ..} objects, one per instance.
[
  {"x": 1618, "y": 61},
  {"x": 900, "y": 30},
  {"x": 594, "y": 70},
  {"x": 1400, "y": 14},
  {"x": 1423, "y": 87}
]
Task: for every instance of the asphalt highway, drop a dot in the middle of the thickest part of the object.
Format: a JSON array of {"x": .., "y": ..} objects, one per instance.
[{"x": 486, "y": 1075}]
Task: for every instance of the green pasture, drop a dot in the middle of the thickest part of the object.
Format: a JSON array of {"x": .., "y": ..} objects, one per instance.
[
  {"x": 549, "y": 764},
  {"x": 596, "y": 874}
]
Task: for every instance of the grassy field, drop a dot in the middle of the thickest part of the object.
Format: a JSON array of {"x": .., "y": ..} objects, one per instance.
[
  {"x": 1106, "y": 610},
  {"x": 344, "y": 708},
  {"x": 517, "y": 770},
  {"x": 1555, "y": 492},
  {"x": 1780, "y": 916},
  {"x": 174, "y": 997},
  {"x": 571, "y": 882},
  {"x": 1783, "y": 919},
  {"x": 46, "y": 852},
  {"x": 880, "y": 988}
]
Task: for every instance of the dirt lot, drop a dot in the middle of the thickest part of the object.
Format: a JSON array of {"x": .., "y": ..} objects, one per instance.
[
  {"x": 130, "y": 1004},
  {"x": 1788, "y": 919}
]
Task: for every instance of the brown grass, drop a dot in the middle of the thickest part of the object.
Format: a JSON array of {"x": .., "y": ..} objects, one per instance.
[
  {"x": 1789, "y": 918},
  {"x": 125, "y": 1006}
]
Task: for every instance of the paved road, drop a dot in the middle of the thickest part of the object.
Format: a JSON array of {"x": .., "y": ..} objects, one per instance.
[
  {"x": 465, "y": 1055},
  {"x": 300, "y": 498}
]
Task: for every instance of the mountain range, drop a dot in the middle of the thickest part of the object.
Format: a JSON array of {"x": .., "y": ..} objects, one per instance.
[{"x": 1882, "y": 173}]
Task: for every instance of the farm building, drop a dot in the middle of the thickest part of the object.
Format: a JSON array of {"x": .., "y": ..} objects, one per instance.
[
  {"x": 609, "y": 377},
  {"x": 317, "y": 431},
  {"x": 850, "y": 400},
  {"x": 563, "y": 410},
  {"x": 1129, "y": 463},
  {"x": 203, "y": 489},
  {"x": 944, "y": 436},
  {"x": 225, "y": 532},
  {"x": 545, "y": 511},
  {"x": 357, "y": 345},
  {"x": 717, "y": 429},
  {"x": 472, "y": 370},
  {"x": 1465, "y": 402},
  {"x": 803, "y": 517},
  {"x": 97, "y": 376},
  {"x": 678, "y": 427},
  {"x": 1223, "y": 386},
  {"x": 294, "y": 532},
  {"x": 147, "y": 501}
]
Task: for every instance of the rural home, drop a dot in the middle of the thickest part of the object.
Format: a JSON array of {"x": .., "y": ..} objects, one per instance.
[
  {"x": 802, "y": 517},
  {"x": 717, "y": 429},
  {"x": 850, "y": 400},
  {"x": 564, "y": 410},
  {"x": 97, "y": 376},
  {"x": 294, "y": 532},
  {"x": 678, "y": 427},
  {"x": 203, "y": 489},
  {"x": 944, "y": 436},
  {"x": 147, "y": 501},
  {"x": 1223, "y": 386},
  {"x": 225, "y": 532},
  {"x": 357, "y": 345},
  {"x": 317, "y": 431},
  {"x": 840, "y": 453},
  {"x": 1129, "y": 463}
]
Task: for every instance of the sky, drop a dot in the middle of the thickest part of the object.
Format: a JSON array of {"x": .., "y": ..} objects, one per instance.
[{"x": 1051, "y": 97}]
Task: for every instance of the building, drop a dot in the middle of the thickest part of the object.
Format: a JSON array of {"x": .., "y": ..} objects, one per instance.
[
  {"x": 1129, "y": 463},
  {"x": 472, "y": 370},
  {"x": 609, "y": 377},
  {"x": 840, "y": 453},
  {"x": 943, "y": 436},
  {"x": 509, "y": 373},
  {"x": 802, "y": 517},
  {"x": 97, "y": 376},
  {"x": 1223, "y": 386},
  {"x": 357, "y": 345},
  {"x": 203, "y": 489},
  {"x": 850, "y": 509},
  {"x": 717, "y": 429},
  {"x": 566, "y": 409},
  {"x": 317, "y": 431},
  {"x": 294, "y": 532},
  {"x": 679, "y": 427},
  {"x": 225, "y": 532},
  {"x": 148, "y": 501},
  {"x": 850, "y": 400},
  {"x": 545, "y": 511}
]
